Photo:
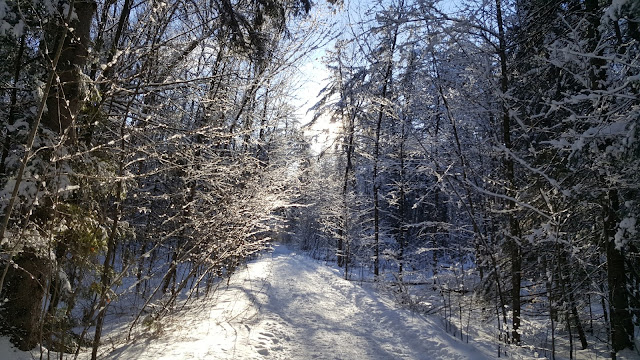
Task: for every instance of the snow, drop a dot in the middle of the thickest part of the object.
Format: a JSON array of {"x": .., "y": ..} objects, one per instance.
[
  {"x": 286, "y": 306},
  {"x": 614, "y": 10},
  {"x": 626, "y": 227},
  {"x": 7, "y": 351},
  {"x": 18, "y": 29}
]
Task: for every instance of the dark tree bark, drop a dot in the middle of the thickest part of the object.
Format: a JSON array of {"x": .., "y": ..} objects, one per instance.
[
  {"x": 343, "y": 231},
  {"x": 25, "y": 291},
  {"x": 402, "y": 216},
  {"x": 65, "y": 99},
  {"x": 376, "y": 154},
  {"x": 13, "y": 105},
  {"x": 26, "y": 287},
  {"x": 514, "y": 226},
  {"x": 619, "y": 315}
]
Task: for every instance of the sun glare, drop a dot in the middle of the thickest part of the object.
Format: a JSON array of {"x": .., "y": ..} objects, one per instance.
[{"x": 314, "y": 76}]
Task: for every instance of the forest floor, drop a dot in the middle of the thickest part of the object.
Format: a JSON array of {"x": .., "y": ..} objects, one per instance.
[{"x": 286, "y": 305}]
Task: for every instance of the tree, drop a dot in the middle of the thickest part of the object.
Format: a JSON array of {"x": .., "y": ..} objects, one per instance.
[{"x": 142, "y": 136}]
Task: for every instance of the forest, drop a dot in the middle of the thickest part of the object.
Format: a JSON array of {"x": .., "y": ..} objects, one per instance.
[{"x": 486, "y": 151}]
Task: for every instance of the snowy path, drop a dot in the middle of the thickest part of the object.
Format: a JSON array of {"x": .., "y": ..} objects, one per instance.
[{"x": 288, "y": 306}]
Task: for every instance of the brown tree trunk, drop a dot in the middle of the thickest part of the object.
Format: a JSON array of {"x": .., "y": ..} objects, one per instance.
[
  {"x": 65, "y": 99},
  {"x": 25, "y": 290},
  {"x": 26, "y": 283},
  {"x": 576, "y": 319}
]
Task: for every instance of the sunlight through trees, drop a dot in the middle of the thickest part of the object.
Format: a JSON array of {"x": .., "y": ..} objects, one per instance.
[{"x": 482, "y": 153}]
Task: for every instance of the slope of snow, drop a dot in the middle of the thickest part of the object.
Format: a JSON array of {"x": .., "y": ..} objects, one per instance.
[{"x": 288, "y": 306}]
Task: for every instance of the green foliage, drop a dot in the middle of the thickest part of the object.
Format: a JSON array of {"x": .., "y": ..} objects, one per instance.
[{"x": 80, "y": 232}]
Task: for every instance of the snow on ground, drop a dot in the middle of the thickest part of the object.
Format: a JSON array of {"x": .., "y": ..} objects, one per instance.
[{"x": 288, "y": 306}]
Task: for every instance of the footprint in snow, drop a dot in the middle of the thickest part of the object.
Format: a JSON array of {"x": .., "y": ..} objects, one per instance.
[{"x": 267, "y": 341}]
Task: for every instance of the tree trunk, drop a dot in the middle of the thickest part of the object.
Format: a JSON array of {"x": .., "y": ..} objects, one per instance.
[
  {"x": 514, "y": 227},
  {"x": 107, "y": 267},
  {"x": 343, "y": 231},
  {"x": 105, "y": 285},
  {"x": 619, "y": 315},
  {"x": 25, "y": 290},
  {"x": 12, "y": 106},
  {"x": 402, "y": 212},
  {"x": 576, "y": 319},
  {"x": 171, "y": 278},
  {"x": 376, "y": 155},
  {"x": 65, "y": 100}
]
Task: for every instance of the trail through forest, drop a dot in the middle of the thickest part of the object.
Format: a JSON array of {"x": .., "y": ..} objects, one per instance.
[
  {"x": 288, "y": 306},
  {"x": 486, "y": 153}
]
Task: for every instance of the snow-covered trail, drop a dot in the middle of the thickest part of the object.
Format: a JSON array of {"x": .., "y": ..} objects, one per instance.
[{"x": 287, "y": 306}]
